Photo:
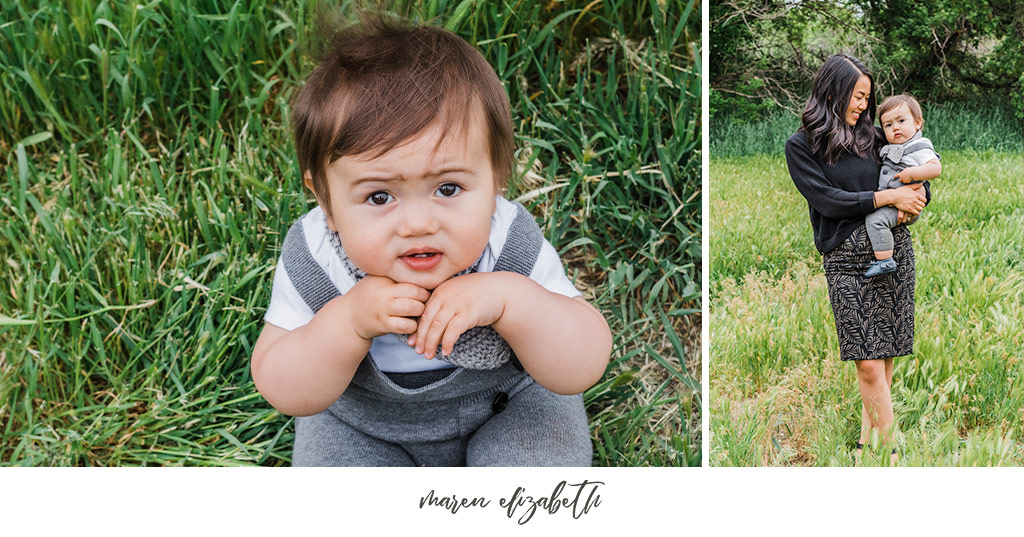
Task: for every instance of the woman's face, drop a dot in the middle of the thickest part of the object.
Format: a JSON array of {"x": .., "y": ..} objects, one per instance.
[{"x": 859, "y": 100}]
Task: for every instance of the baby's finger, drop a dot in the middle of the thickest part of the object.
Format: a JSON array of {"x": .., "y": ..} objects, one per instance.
[
  {"x": 429, "y": 311},
  {"x": 414, "y": 292},
  {"x": 405, "y": 307},
  {"x": 435, "y": 330},
  {"x": 456, "y": 327},
  {"x": 400, "y": 325}
]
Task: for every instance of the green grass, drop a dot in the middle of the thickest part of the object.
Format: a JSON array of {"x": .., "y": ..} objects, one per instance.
[
  {"x": 148, "y": 177},
  {"x": 950, "y": 126},
  {"x": 779, "y": 393}
]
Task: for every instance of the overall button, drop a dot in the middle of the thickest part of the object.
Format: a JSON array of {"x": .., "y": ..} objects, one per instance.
[
  {"x": 500, "y": 402},
  {"x": 885, "y": 172}
]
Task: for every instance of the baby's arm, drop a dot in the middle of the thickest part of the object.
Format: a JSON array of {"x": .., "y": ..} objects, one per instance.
[
  {"x": 563, "y": 343},
  {"x": 303, "y": 371},
  {"x": 925, "y": 172}
]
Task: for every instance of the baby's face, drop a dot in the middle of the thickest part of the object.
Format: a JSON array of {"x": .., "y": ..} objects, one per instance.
[
  {"x": 899, "y": 124},
  {"x": 419, "y": 213}
]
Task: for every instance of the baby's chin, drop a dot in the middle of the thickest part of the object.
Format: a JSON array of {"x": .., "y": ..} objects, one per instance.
[{"x": 427, "y": 281}]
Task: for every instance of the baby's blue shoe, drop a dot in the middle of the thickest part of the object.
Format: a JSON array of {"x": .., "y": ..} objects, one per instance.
[{"x": 878, "y": 268}]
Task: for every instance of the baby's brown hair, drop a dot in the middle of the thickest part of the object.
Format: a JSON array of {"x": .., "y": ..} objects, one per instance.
[
  {"x": 379, "y": 82},
  {"x": 894, "y": 101}
]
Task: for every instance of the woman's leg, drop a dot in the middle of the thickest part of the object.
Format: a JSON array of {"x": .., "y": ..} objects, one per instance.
[
  {"x": 888, "y": 380},
  {"x": 865, "y": 422},
  {"x": 865, "y": 419},
  {"x": 875, "y": 396}
]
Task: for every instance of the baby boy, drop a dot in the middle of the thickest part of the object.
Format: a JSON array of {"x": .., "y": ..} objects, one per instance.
[
  {"x": 907, "y": 158},
  {"x": 417, "y": 317}
]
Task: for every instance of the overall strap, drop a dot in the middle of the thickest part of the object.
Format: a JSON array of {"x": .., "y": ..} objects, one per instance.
[
  {"x": 915, "y": 147},
  {"x": 522, "y": 245},
  {"x": 308, "y": 277}
]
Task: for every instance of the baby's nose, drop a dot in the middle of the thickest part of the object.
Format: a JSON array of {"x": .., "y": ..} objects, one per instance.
[{"x": 417, "y": 220}]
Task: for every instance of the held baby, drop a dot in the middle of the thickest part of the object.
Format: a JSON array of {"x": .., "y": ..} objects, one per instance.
[{"x": 907, "y": 158}]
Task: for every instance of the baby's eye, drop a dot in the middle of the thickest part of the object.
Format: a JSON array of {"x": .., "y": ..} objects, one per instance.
[
  {"x": 379, "y": 198},
  {"x": 448, "y": 190}
]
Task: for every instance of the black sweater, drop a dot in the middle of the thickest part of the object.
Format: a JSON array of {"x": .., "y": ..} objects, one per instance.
[{"x": 838, "y": 196}]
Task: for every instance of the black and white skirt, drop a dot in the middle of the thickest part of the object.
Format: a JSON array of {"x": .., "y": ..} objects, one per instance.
[{"x": 874, "y": 317}]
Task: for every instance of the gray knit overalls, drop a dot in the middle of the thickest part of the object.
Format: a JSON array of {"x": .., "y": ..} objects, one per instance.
[
  {"x": 880, "y": 223},
  {"x": 489, "y": 412}
]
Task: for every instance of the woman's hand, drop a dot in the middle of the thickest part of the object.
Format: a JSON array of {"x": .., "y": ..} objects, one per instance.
[{"x": 909, "y": 199}]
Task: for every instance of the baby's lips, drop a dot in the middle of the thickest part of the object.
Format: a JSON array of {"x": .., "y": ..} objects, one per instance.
[{"x": 420, "y": 250}]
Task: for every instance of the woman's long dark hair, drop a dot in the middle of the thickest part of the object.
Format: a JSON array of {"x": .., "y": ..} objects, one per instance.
[{"x": 824, "y": 117}]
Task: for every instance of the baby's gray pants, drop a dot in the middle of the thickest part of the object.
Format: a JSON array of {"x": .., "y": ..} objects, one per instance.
[
  {"x": 880, "y": 223},
  {"x": 499, "y": 417}
]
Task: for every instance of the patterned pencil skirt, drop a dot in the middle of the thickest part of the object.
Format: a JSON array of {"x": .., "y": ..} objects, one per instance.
[{"x": 874, "y": 317}]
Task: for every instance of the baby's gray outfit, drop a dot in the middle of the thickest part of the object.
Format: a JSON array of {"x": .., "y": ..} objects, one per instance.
[
  {"x": 895, "y": 158},
  {"x": 487, "y": 412}
]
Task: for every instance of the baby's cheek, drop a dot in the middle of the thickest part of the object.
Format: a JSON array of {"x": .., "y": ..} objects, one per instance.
[
  {"x": 366, "y": 255},
  {"x": 476, "y": 243}
]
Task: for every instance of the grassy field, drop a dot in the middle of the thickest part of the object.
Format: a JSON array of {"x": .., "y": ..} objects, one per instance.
[
  {"x": 148, "y": 177},
  {"x": 778, "y": 393},
  {"x": 958, "y": 126}
]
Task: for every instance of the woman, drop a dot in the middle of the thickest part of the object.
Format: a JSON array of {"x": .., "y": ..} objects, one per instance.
[{"x": 833, "y": 160}]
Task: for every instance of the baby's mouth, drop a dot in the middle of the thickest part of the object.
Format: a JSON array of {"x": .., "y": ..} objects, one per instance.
[{"x": 421, "y": 259}]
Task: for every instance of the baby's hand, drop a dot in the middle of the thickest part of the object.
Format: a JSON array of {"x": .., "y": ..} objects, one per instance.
[
  {"x": 380, "y": 306},
  {"x": 906, "y": 175},
  {"x": 455, "y": 306}
]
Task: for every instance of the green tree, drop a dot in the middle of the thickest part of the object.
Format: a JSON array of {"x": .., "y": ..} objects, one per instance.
[
  {"x": 764, "y": 52},
  {"x": 950, "y": 49}
]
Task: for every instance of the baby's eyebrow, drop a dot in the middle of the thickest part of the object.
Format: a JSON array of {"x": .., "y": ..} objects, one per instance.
[
  {"x": 375, "y": 179},
  {"x": 383, "y": 178},
  {"x": 448, "y": 169}
]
